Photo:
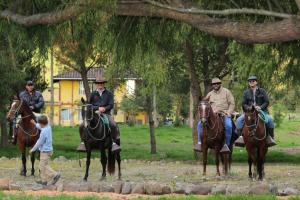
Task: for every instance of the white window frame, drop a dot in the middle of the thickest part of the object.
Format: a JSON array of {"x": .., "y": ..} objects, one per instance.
[{"x": 65, "y": 116}]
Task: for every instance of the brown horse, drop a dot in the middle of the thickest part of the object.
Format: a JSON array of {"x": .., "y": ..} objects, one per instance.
[
  {"x": 213, "y": 136},
  {"x": 255, "y": 135},
  {"x": 27, "y": 133},
  {"x": 95, "y": 135}
]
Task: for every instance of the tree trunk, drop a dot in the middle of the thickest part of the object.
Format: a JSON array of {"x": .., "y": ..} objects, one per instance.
[
  {"x": 155, "y": 107},
  {"x": 191, "y": 114},
  {"x": 206, "y": 72},
  {"x": 4, "y": 135},
  {"x": 151, "y": 126},
  {"x": 85, "y": 82},
  {"x": 195, "y": 87}
]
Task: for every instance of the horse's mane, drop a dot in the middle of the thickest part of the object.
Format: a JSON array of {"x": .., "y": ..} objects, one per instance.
[{"x": 26, "y": 107}]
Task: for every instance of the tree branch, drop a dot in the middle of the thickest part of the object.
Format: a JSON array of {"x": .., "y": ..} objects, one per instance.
[
  {"x": 223, "y": 12},
  {"x": 279, "y": 31}
]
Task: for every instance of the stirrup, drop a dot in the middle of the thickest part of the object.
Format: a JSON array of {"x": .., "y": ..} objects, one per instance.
[
  {"x": 225, "y": 149},
  {"x": 270, "y": 141},
  {"x": 81, "y": 147},
  {"x": 115, "y": 148},
  {"x": 240, "y": 142},
  {"x": 198, "y": 147}
]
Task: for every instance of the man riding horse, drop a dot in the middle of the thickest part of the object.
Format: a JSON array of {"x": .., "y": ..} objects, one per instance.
[
  {"x": 33, "y": 98},
  {"x": 257, "y": 97},
  {"x": 103, "y": 102},
  {"x": 222, "y": 102}
]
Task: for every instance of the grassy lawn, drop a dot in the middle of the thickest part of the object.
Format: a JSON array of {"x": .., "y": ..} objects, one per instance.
[{"x": 172, "y": 144}]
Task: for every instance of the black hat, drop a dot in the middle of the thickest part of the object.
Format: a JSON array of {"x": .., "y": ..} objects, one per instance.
[
  {"x": 252, "y": 78},
  {"x": 29, "y": 83},
  {"x": 100, "y": 79}
]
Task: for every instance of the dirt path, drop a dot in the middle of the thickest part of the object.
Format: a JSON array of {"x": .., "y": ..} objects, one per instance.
[{"x": 160, "y": 171}]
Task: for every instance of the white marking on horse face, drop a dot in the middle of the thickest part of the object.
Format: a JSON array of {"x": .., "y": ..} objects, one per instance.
[
  {"x": 13, "y": 104},
  {"x": 249, "y": 118}
]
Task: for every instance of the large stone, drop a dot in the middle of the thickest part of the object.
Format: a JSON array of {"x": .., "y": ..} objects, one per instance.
[
  {"x": 126, "y": 189},
  {"x": 4, "y": 184},
  {"x": 138, "y": 189},
  {"x": 237, "y": 190},
  {"x": 50, "y": 187},
  {"x": 179, "y": 188},
  {"x": 198, "y": 189},
  {"x": 288, "y": 191},
  {"x": 14, "y": 186},
  {"x": 219, "y": 189},
  {"x": 117, "y": 187},
  {"x": 166, "y": 189},
  {"x": 153, "y": 188},
  {"x": 74, "y": 187},
  {"x": 259, "y": 189},
  {"x": 106, "y": 188}
]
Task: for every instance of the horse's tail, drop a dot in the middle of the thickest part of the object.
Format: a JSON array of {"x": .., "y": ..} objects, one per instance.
[{"x": 111, "y": 162}]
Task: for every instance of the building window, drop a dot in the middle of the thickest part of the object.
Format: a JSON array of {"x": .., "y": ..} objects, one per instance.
[
  {"x": 81, "y": 87},
  {"x": 65, "y": 114},
  {"x": 130, "y": 87}
]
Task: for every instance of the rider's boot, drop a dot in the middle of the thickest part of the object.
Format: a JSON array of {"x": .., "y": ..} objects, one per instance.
[
  {"x": 270, "y": 138},
  {"x": 115, "y": 133},
  {"x": 240, "y": 141}
]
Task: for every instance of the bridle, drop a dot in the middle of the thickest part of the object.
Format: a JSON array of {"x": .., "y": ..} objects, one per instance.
[
  {"x": 16, "y": 113},
  {"x": 203, "y": 106},
  {"x": 255, "y": 125},
  {"x": 87, "y": 122}
]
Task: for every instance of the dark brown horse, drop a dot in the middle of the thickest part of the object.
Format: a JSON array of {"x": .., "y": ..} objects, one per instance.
[
  {"x": 213, "y": 135},
  {"x": 95, "y": 135},
  {"x": 27, "y": 133},
  {"x": 255, "y": 135}
]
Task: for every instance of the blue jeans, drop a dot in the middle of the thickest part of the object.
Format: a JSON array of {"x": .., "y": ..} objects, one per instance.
[
  {"x": 241, "y": 120},
  {"x": 228, "y": 130}
]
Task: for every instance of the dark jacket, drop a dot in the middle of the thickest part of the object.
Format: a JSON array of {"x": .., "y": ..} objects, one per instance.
[
  {"x": 261, "y": 98},
  {"x": 35, "y": 100},
  {"x": 105, "y": 100}
]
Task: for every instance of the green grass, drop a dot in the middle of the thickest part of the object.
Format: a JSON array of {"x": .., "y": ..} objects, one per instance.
[{"x": 172, "y": 144}]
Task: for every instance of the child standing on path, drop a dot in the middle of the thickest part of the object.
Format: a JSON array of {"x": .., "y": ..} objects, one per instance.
[{"x": 44, "y": 145}]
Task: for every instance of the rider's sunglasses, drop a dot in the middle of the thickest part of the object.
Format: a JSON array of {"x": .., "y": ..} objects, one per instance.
[
  {"x": 216, "y": 84},
  {"x": 30, "y": 85},
  {"x": 250, "y": 81}
]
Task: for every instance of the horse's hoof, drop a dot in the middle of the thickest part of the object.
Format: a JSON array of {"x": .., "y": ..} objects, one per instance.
[
  {"x": 103, "y": 178},
  {"x": 85, "y": 179}
]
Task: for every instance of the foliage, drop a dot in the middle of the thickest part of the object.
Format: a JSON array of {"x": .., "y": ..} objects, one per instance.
[{"x": 279, "y": 111}]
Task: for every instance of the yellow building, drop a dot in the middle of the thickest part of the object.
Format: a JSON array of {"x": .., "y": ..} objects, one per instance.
[{"x": 68, "y": 90}]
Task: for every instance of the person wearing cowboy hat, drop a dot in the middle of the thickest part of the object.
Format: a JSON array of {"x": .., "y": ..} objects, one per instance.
[
  {"x": 222, "y": 101},
  {"x": 34, "y": 100},
  {"x": 259, "y": 98},
  {"x": 103, "y": 101}
]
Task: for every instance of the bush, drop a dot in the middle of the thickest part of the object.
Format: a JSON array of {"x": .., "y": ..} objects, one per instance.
[
  {"x": 177, "y": 122},
  {"x": 278, "y": 113}
]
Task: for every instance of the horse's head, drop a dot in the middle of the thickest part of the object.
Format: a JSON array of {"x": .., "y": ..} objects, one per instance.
[
  {"x": 15, "y": 108},
  {"x": 86, "y": 112},
  {"x": 250, "y": 115},
  {"x": 204, "y": 109}
]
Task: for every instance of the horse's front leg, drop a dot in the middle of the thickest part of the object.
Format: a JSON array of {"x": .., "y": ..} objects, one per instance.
[
  {"x": 217, "y": 160},
  {"x": 250, "y": 166},
  {"x": 88, "y": 162},
  {"x": 23, "y": 170},
  {"x": 204, "y": 159},
  {"x": 32, "y": 158},
  {"x": 104, "y": 163}
]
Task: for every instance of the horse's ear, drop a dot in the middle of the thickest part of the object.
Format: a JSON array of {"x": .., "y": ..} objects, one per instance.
[
  {"x": 15, "y": 97},
  {"x": 82, "y": 100}
]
